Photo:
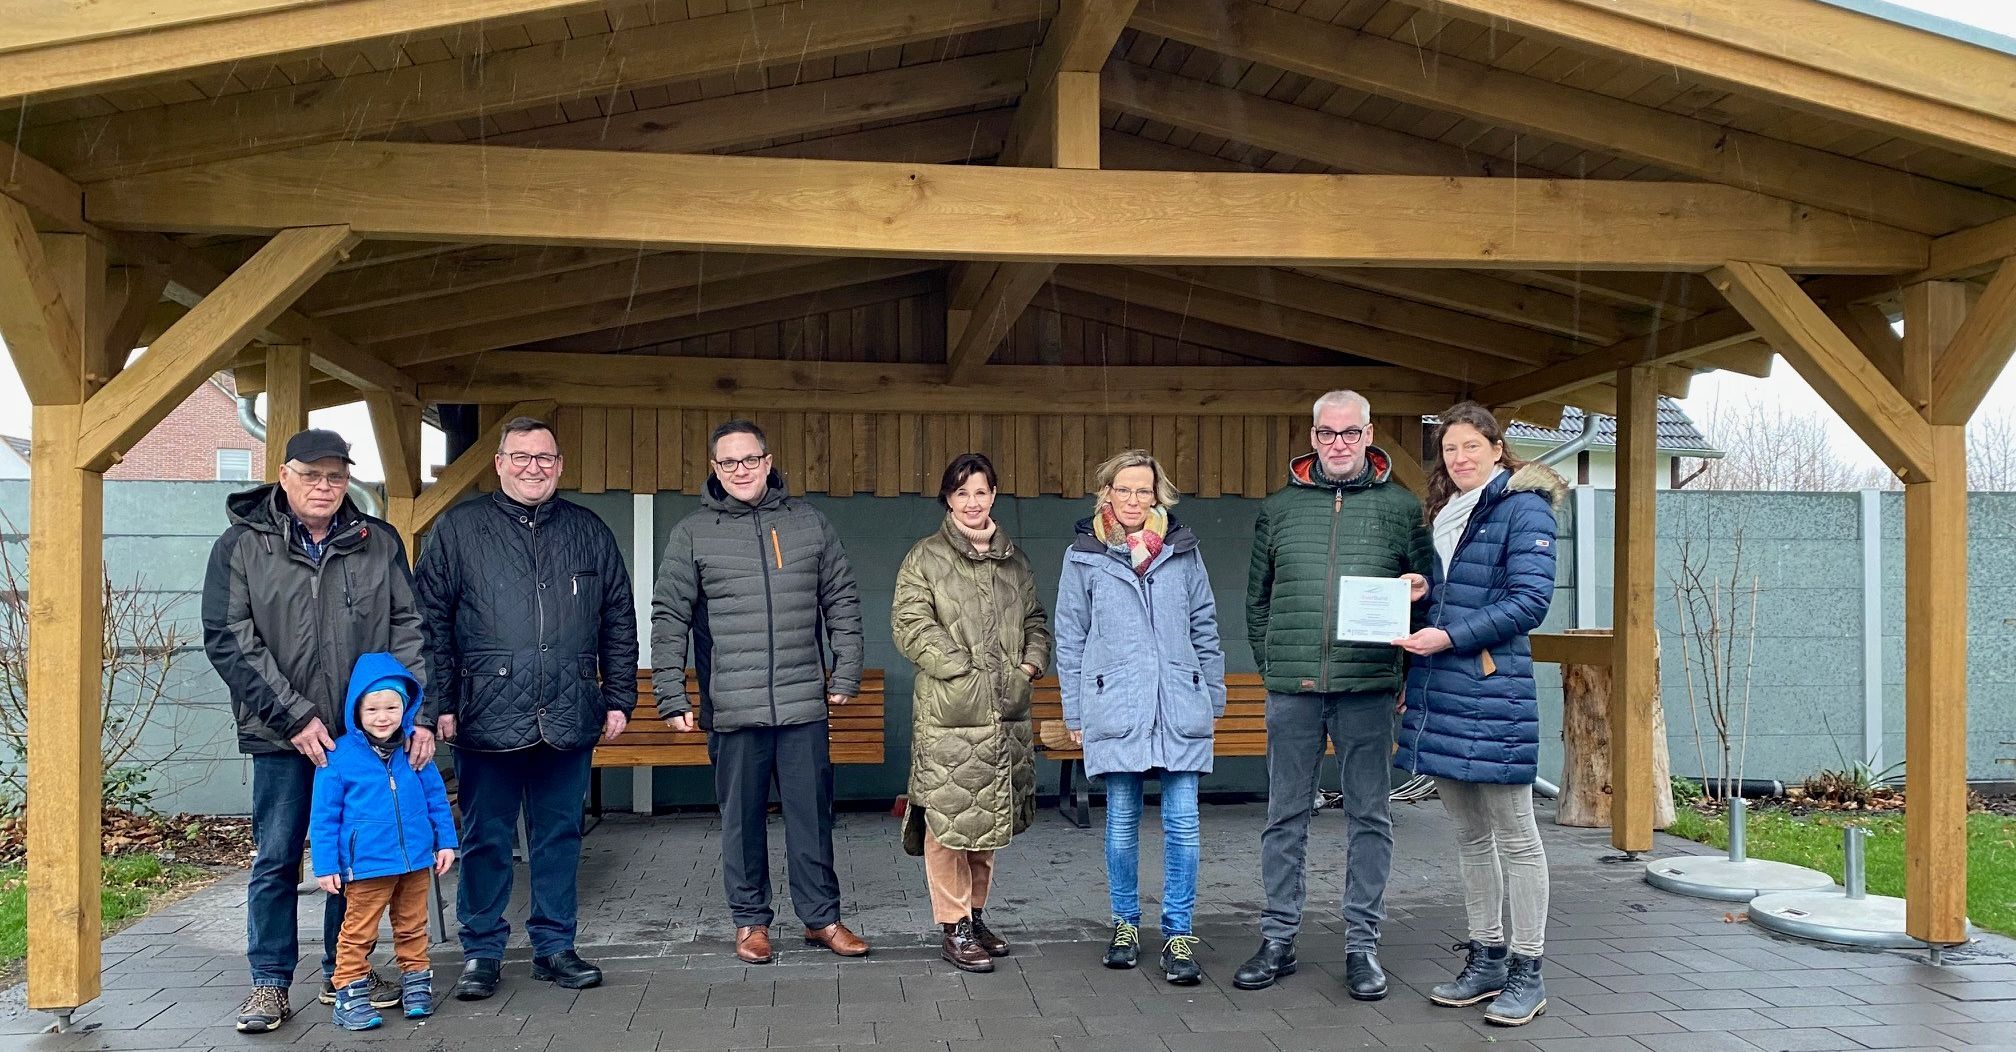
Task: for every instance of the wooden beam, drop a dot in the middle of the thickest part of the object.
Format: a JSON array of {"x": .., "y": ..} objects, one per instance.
[
  {"x": 1935, "y": 310},
  {"x": 873, "y": 387},
  {"x": 135, "y": 400},
  {"x": 973, "y": 337},
  {"x": 479, "y": 194},
  {"x": 1977, "y": 354},
  {"x": 1499, "y": 299},
  {"x": 457, "y": 478},
  {"x": 1184, "y": 329},
  {"x": 132, "y": 296},
  {"x": 1869, "y": 329},
  {"x": 395, "y": 424},
  {"x": 1635, "y": 643},
  {"x": 962, "y": 138},
  {"x": 1588, "y": 119},
  {"x": 713, "y": 319},
  {"x": 1798, "y": 329},
  {"x": 44, "y": 337},
  {"x": 1078, "y": 41},
  {"x": 1574, "y": 648},
  {"x": 1674, "y": 343},
  {"x": 58, "y": 50},
  {"x": 1402, "y": 447},
  {"x": 446, "y": 274},
  {"x": 286, "y": 401},
  {"x": 367, "y": 106},
  {"x": 1841, "y": 64},
  {"x": 66, "y": 756},
  {"x": 57, "y": 203}
]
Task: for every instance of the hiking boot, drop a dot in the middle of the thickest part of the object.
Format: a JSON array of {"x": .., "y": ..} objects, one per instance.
[
  {"x": 1275, "y": 958},
  {"x": 417, "y": 993},
  {"x": 995, "y": 945},
  {"x": 1483, "y": 975},
  {"x": 1125, "y": 949},
  {"x": 1364, "y": 980},
  {"x": 1524, "y": 996},
  {"x": 353, "y": 1007},
  {"x": 1179, "y": 961},
  {"x": 478, "y": 980},
  {"x": 264, "y": 1010},
  {"x": 384, "y": 992},
  {"x": 566, "y": 970},
  {"x": 963, "y": 950}
]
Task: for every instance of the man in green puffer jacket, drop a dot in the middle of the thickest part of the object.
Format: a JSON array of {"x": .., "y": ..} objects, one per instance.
[{"x": 1340, "y": 515}]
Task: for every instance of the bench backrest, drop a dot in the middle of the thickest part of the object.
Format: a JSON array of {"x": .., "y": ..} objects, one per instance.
[
  {"x": 856, "y": 729},
  {"x": 1242, "y": 731}
]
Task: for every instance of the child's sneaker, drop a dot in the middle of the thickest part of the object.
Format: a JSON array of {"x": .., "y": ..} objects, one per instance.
[
  {"x": 353, "y": 1007},
  {"x": 417, "y": 993}
]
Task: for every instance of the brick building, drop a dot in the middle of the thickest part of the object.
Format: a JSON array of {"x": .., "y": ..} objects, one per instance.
[{"x": 200, "y": 441}]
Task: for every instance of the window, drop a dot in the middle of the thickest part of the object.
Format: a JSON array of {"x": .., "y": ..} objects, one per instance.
[{"x": 234, "y": 465}]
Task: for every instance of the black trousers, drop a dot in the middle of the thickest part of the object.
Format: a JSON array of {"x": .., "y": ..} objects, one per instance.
[{"x": 799, "y": 762}]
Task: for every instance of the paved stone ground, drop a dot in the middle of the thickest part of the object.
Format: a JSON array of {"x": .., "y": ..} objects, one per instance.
[{"x": 1629, "y": 968}]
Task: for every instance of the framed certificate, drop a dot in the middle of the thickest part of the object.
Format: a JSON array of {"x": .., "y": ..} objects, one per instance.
[{"x": 1372, "y": 609}]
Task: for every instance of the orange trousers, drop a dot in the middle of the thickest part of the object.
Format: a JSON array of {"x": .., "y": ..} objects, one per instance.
[
  {"x": 367, "y": 900},
  {"x": 958, "y": 880}
]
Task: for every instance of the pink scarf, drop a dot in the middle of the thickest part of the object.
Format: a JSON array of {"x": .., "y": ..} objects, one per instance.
[{"x": 1143, "y": 545}]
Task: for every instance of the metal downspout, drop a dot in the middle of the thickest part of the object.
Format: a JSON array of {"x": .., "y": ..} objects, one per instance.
[{"x": 363, "y": 496}]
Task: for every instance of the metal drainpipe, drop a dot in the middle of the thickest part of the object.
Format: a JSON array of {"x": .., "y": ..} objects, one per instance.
[
  {"x": 363, "y": 496},
  {"x": 1550, "y": 458}
]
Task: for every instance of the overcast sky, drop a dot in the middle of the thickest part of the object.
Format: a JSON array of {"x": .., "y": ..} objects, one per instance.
[{"x": 1709, "y": 389}]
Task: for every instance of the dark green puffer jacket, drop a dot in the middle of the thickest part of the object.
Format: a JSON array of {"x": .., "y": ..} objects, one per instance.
[{"x": 1310, "y": 533}]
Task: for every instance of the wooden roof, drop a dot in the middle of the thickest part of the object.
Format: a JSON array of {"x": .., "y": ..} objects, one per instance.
[{"x": 1829, "y": 114}]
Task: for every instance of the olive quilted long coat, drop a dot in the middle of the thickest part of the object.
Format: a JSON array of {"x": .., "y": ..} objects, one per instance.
[{"x": 969, "y": 621}]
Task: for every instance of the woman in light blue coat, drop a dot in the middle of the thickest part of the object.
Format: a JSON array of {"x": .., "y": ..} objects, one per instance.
[{"x": 1143, "y": 679}]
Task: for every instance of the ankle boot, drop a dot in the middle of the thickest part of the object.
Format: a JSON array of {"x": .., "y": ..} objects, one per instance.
[
  {"x": 995, "y": 944},
  {"x": 1524, "y": 996},
  {"x": 353, "y": 1007},
  {"x": 1275, "y": 958},
  {"x": 416, "y": 992},
  {"x": 962, "y": 950},
  {"x": 1482, "y": 977}
]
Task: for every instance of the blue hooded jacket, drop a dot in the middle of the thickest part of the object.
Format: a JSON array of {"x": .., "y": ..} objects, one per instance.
[
  {"x": 375, "y": 816},
  {"x": 1472, "y": 713}
]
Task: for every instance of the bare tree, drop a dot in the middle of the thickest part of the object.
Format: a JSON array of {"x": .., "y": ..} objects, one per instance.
[
  {"x": 1991, "y": 453},
  {"x": 1767, "y": 446}
]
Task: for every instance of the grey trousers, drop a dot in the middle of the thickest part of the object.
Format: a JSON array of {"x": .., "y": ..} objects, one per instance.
[
  {"x": 1499, "y": 844},
  {"x": 1361, "y": 727},
  {"x": 798, "y": 762}
]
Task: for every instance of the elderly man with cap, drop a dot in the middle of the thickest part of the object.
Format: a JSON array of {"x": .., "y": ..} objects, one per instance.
[{"x": 300, "y": 584}]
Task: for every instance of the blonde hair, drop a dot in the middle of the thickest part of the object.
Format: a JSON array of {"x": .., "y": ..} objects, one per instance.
[{"x": 1165, "y": 491}]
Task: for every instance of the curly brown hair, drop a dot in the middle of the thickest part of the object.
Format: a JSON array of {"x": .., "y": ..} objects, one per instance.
[{"x": 1440, "y": 486}]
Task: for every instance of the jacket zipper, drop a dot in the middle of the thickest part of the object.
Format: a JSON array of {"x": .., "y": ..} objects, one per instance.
[
  {"x": 1469, "y": 530},
  {"x": 539, "y": 603},
  {"x": 770, "y": 621},
  {"x": 398, "y": 819},
  {"x": 1330, "y": 591}
]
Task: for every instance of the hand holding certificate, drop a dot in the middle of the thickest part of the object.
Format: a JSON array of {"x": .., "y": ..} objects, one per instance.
[{"x": 1372, "y": 609}]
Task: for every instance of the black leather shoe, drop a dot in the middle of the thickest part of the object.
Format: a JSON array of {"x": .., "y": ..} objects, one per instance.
[
  {"x": 1275, "y": 958},
  {"x": 1363, "y": 977},
  {"x": 478, "y": 981},
  {"x": 566, "y": 969}
]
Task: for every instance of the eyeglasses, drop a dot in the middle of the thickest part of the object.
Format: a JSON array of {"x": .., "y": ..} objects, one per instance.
[
  {"x": 1142, "y": 495},
  {"x": 1350, "y": 436},
  {"x": 521, "y": 461},
  {"x": 318, "y": 479},
  {"x": 748, "y": 463}
]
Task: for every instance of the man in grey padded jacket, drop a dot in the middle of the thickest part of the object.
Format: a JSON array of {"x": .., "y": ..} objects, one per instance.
[{"x": 758, "y": 583}]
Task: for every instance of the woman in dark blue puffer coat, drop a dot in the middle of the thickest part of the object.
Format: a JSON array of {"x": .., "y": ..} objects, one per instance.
[{"x": 1472, "y": 721}]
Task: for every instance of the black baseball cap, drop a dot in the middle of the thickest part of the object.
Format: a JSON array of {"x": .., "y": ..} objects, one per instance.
[{"x": 317, "y": 443}]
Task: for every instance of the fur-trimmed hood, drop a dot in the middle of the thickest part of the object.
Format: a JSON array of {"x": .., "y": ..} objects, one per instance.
[{"x": 1535, "y": 477}]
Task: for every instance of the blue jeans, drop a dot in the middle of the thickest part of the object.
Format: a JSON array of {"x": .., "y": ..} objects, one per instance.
[
  {"x": 551, "y": 787},
  {"x": 1179, "y": 847},
  {"x": 283, "y": 787}
]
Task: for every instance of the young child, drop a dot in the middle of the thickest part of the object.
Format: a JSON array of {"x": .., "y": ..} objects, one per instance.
[{"x": 377, "y": 827}]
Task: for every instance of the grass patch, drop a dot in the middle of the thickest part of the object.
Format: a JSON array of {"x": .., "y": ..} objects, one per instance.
[
  {"x": 131, "y": 883},
  {"x": 1815, "y": 841}
]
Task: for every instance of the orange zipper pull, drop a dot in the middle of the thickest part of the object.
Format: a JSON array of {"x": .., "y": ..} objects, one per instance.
[{"x": 776, "y": 548}]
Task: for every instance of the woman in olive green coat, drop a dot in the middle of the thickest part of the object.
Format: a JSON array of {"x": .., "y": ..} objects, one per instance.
[{"x": 966, "y": 614}]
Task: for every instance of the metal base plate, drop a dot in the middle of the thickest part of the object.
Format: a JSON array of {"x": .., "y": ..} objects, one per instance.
[
  {"x": 1715, "y": 877},
  {"x": 1833, "y": 917}
]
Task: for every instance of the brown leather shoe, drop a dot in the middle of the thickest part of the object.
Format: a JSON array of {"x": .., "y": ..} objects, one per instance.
[
  {"x": 752, "y": 944},
  {"x": 995, "y": 945},
  {"x": 963, "y": 950},
  {"x": 837, "y": 938}
]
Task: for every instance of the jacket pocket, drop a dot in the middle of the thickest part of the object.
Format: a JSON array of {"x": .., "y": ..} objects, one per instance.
[
  {"x": 486, "y": 681},
  {"x": 1111, "y": 698},
  {"x": 584, "y": 588},
  {"x": 1186, "y": 701}
]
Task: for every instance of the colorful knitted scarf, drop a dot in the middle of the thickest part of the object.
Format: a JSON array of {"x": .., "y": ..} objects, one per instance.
[{"x": 1143, "y": 546}]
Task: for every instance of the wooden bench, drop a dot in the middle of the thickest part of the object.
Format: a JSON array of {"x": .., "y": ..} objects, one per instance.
[{"x": 855, "y": 729}]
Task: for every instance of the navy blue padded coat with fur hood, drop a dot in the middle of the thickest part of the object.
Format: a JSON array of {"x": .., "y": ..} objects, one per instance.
[{"x": 1472, "y": 715}]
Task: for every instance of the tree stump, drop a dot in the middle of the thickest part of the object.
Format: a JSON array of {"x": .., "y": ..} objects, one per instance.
[{"x": 1585, "y": 738}]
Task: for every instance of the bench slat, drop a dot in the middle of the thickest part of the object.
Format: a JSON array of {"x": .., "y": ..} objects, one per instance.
[{"x": 857, "y": 730}]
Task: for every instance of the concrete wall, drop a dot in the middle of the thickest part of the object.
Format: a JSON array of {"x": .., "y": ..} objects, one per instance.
[{"x": 1805, "y": 551}]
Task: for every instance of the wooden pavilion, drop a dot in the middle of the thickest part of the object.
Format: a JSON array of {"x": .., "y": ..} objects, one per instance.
[{"x": 901, "y": 228}]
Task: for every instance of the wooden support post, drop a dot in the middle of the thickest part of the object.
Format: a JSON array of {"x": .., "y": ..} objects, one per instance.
[
  {"x": 286, "y": 401},
  {"x": 1636, "y": 683},
  {"x": 1935, "y": 652},
  {"x": 395, "y": 424}
]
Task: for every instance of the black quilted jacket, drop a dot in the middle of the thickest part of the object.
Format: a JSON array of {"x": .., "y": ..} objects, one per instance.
[
  {"x": 531, "y": 631},
  {"x": 745, "y": 592}
]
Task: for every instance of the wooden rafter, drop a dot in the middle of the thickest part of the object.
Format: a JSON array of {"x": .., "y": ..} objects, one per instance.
[
  {"x": 193, "y": 348},
  {"x": 368, "y": 105},
  {"x": 458, "y": 477},
  {"x": 718, "y": 317},
  {"x": 1674, "y": 343},
  {"x": 1588, "y": 119},
  {"x": 446, "y": 274},
  {"x": 38, "y": 326},
  {"x": 132, "y": 294},
  {"x": 1978, "y": 353},
  {"x": 476, "y": 194}
]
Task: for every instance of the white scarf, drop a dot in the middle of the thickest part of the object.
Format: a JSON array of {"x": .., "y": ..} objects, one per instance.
[{"x": 1454, "y": 518}]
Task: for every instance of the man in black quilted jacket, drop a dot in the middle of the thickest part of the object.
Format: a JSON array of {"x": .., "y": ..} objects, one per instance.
[
  {"x": 531, "y": 659},
  {"x": 753, "y": 587}
]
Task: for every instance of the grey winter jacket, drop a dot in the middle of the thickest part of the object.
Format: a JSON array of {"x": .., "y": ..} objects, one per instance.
[
  {"x": 1139, "y": 662},
  {"x": 283, "y": 631},
  {"x": 746, "y": 593},
  {"x": 531, "y": 624}
]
